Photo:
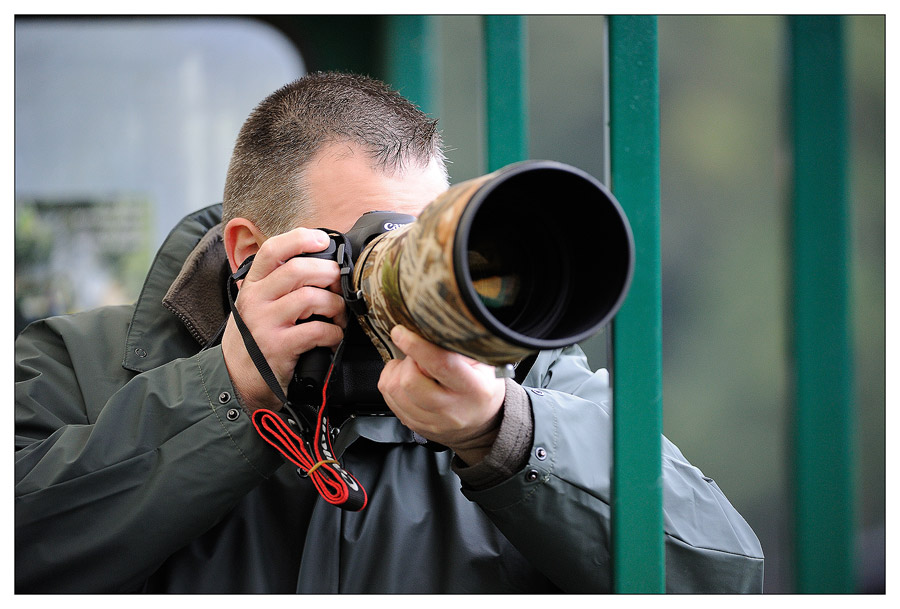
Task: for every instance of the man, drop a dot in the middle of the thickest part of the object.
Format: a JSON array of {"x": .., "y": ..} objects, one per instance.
[{"x": 147, "y": 474}]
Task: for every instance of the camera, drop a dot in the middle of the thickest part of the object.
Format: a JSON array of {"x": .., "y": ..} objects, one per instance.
[
  {"x": 536, "y": 255},
  {"x": 355, "y": 378}
]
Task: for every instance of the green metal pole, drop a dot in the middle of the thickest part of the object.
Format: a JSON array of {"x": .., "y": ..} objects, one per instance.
[
  {"x": 506, "y": 92},
  {"x": 822, "y": 353},
  {"x": 412, "y": 59},
  {"x": 638, "y": 553}
]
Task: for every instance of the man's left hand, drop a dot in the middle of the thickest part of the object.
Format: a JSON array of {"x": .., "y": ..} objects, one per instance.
[{"x": 444, "y": 396}]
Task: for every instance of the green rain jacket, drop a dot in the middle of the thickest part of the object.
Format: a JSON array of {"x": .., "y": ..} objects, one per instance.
[{"x": 138, "y": 470}]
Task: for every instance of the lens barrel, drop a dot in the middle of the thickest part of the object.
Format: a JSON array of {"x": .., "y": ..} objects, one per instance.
[
  {"x": 561, "y": 242},
  {"x": 537, "y": 255}
]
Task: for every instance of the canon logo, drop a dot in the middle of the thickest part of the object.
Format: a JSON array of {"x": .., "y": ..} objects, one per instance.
[{"x": 393, "y": 225}]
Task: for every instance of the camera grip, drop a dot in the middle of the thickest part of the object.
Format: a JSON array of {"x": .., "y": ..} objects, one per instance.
[
  {"x": 311, "y": 369},
  {"x": 312, "y": 366}
]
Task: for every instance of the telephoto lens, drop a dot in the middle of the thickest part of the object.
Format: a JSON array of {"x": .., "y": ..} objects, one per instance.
[{"x": 537, "y": 255}]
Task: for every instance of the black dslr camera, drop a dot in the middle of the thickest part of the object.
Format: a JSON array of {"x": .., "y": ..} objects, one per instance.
[{"x": 353, "y": 385}]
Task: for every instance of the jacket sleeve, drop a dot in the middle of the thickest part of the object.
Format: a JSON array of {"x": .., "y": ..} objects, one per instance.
[
  {"x": 556, "y": 509},
  {"x": 106, "y": 488}
]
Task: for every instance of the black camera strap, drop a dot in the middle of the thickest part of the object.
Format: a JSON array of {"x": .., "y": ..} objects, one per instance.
[{"x": 304, "y": 440}]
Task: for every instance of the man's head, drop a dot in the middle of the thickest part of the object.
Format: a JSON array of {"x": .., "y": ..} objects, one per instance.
[{"x": 322, "y": 116}]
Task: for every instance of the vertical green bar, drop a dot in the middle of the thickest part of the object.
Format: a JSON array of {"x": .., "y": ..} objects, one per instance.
[
  {"x": 412, "y": 59},
  {"x": 506, "y": 90},
  {"x": 822, "y": 353},
  {"x": 637, "y": 523}
]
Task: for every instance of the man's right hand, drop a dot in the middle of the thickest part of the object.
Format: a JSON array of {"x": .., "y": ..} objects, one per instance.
[{"x": 279, "y": 290}]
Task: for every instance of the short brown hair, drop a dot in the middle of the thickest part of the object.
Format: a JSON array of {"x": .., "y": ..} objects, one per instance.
[{"x": 288, "y": 128}]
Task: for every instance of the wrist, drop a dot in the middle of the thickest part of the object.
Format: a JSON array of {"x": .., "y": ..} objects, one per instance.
[
  {"x": 477, "y": 448},
  {"x": 247, "y": 382},
  {"x": 246, "y": 377},
  {"x": 511, "y": 445}
]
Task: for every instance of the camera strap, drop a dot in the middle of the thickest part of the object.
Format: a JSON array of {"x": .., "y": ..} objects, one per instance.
[{"x": 304, "y": 440}]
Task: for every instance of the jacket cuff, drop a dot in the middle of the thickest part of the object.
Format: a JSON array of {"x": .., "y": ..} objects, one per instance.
[{"x": 511, "y": 448}]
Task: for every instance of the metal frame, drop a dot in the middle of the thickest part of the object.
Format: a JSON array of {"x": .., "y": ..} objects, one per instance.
[
  {"x": 637, "y": 535},
  {"x": 506, "y": 96},
  {"x": 822, "y": 352}
]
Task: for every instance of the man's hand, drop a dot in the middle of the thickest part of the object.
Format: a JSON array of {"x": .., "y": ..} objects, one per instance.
[
  {"x": 444, "y": 396},
  {"x": 279, "y": 290}
]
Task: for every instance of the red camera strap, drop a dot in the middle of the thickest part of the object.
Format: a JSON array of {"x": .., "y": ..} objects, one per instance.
[
  {"x": 302, "y": 443},
  {"x": 334, "y": 484},
  {"x": 315, "y": 461}
]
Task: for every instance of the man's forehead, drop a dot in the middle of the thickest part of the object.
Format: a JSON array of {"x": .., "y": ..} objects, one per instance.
[
  {"x": 343, "y": 183},
  {"x": 344, "y": 154}
]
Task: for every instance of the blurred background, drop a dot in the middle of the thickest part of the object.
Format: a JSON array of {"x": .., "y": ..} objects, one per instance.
[{"x": 125, "y": 125}]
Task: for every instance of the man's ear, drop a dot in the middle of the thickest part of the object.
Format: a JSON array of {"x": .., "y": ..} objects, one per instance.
[{"x": 242, "y": 240}]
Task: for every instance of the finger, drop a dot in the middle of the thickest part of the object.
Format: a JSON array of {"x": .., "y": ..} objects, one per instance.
[
  {"x": 404, "y": 378},
  {"x": 451, "y": 370},
  {"x": 402, "y": 386},
  {"x": 430, "y": 409},
  {"x": 294, "y": 274},
  {"x": 276, "y": 250},
  {"x": 309, "y": 335},
  {"x": 308, "y": 301},
  {"x": 296, "y": 307}
]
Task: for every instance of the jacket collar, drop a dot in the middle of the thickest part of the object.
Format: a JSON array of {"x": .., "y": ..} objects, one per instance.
[
  {"x": 196, "y": 296},
  {"x": 186, "y": 282}
]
